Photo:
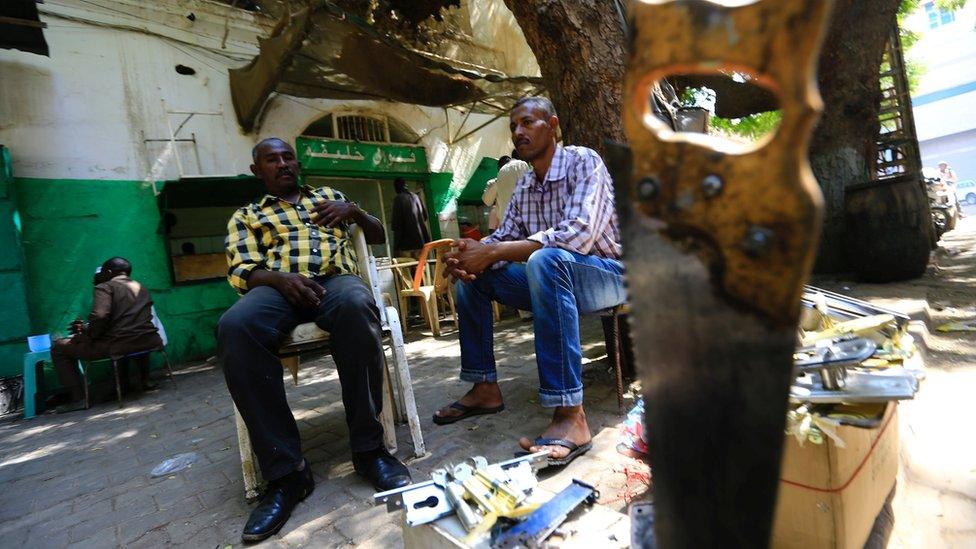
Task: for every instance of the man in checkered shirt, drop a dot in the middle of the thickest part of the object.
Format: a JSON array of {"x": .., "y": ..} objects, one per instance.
[
  {"x": 557, "y": 254},
  {"x": 290, "y": 257}
]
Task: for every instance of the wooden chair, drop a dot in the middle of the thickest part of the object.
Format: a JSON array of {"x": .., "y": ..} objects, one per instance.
[
  {"x": 426, "y": 290},
  {"x": 398, "y": 398}
]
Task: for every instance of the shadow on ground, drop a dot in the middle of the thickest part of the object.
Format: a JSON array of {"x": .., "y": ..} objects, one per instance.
[{"x": 85, "y": 477}]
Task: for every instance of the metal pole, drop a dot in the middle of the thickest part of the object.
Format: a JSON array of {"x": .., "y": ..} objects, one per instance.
[{"x": 379, "y": 189}]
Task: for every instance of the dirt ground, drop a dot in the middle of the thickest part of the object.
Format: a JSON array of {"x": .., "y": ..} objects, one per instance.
[{"x": 935, "y": 502}]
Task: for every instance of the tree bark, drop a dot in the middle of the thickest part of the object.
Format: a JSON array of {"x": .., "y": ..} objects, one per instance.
[
  {"x": 843, "y": 147},
  {"x": 580, "y": 49}
]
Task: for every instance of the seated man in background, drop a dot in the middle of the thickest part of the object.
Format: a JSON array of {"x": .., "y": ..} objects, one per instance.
[
  {"x": 291, "y": 258},
  {"x": 561, "y": 223},
  {"x": 120, "y": 323}
]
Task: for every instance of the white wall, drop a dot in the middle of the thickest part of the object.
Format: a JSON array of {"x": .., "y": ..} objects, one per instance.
[
  {"x": 86, "y": 111},
  {"x": 948, "y": 52},
  {"x": 959, "y": 150},
  {"x": 948, "y": 55},
  {"x": 946, "y": 117}
]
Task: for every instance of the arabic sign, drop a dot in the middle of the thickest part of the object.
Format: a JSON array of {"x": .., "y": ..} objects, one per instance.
[{"x": 331, "y": 156}]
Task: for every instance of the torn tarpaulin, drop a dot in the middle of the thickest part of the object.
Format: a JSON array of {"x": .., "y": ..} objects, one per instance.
[{"x": 323, "y": 51}]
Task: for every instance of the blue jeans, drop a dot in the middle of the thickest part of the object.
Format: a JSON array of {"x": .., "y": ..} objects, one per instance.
[{"x": 556, "y": 285}]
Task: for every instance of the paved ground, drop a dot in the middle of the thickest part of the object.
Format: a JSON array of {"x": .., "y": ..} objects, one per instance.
[
  {"x": 935, "y": 503},
  {"x": 83, "y": 478}
]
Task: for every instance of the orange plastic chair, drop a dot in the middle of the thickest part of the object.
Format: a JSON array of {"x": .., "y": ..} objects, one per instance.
[{"x": 426, "y": 290}]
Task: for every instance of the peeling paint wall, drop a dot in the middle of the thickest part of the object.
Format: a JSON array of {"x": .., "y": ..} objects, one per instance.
[
  {"x": 84, "y": 129},
  {"x": 87, "y": 111}
]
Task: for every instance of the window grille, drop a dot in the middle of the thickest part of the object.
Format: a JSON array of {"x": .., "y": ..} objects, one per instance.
[{"x": 354, "y": 127}]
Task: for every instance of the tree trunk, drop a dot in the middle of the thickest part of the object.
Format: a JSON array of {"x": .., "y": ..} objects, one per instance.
[
  {"x": 843, "y": 148},
  {"x": 579, "y": 46},
  {"x": 580, "y": 49}
]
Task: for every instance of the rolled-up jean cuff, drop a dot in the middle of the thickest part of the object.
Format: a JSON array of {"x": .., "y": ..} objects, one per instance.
[
  {"x": 552, "y": 399},
  {"x": 479, "y": 376}
]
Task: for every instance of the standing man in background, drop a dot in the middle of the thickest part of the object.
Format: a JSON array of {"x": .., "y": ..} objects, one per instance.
[
  {"x": 410, "y": 231},
  {"x": 498, "y": 192},
  {"x": 947, "y": 174}
]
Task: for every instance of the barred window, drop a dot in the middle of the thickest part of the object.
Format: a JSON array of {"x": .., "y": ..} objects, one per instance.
[{"x": 360, "y": 127}]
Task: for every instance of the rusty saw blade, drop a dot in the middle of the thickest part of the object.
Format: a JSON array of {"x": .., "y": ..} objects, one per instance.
[{"x": 719, "y": 239}]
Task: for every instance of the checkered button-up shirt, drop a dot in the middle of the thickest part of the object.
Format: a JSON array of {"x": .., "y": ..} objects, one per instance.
[
  {"x": 276, "y": 235},
  {"x": 572, "y": 208}
]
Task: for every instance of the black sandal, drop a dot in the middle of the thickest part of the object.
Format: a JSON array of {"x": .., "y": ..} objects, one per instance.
[
  {"x": 575, "y": 450},
  {"x": 466, "y": 412}
]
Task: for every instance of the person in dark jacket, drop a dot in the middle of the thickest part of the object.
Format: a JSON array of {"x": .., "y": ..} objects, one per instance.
[
  {"x": 410, "y": 231},
  {"x": 120, "y": 323}
]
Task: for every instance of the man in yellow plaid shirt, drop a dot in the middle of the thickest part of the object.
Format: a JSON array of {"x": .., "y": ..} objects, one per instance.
[{"x": 290, "y": 257}]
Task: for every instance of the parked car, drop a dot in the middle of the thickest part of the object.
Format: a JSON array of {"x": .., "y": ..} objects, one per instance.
[{"x": 966, "y": 191}]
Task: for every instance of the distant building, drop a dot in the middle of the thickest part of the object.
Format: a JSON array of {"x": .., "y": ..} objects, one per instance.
[{"x": 945, "y": 101}]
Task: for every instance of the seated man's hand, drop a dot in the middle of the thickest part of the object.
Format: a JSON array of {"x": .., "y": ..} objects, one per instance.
[
  {"x": 330, "y": 213},
  {"x": 77, "y": 327},
  {"x": 299, "y": 290},
  {"x": 469, "y": 259}
]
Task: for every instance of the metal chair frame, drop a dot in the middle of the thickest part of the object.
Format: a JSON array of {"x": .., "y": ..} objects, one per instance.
[{"x": 84, "y": 365}]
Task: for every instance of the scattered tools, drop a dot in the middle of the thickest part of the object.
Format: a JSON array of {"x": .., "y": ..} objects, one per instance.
[
  {"x": 853, "y": 352},
  {"x": 533, "y": 531},
  {"x": 831, "y": 357},
  {"x": 479, "y": 493}
]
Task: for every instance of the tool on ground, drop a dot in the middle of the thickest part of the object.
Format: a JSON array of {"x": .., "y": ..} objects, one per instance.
[
  {"x": 830, "y": 359},
  {"x": 455, "y": 495},
  {"x": 533, "y": 531},
  {"x": 719, "y": 239},
  {"x": 493, "y": 495},
  {"x": 499, "y": 490},
  {"x": 425, "y": 504},
  {"x": 849, "y": 307},
  {"x": 854, "y": 353}
]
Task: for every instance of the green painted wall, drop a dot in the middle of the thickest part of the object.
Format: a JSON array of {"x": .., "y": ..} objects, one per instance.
[
  {"x": 14, "y": 316},
  {"x": 487, "y": 169},
  {"x": 71, "y": 226}
]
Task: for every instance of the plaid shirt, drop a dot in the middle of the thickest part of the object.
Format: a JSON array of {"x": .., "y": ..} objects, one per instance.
[
  {"x": 573, "y": 208},
  {"x": 276, "y": 235}
]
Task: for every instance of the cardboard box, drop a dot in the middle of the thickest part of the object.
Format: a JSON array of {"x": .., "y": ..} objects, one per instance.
[{"x": 830, "y": 496}]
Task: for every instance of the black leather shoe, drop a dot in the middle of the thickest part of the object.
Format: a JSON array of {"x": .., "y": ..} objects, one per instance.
[
  {"x": 381, "y": 469},
  {"x": 275, "y": 507}
]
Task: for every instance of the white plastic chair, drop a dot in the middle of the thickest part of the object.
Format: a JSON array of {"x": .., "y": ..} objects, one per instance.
[{"x": 309, "y": 336}]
